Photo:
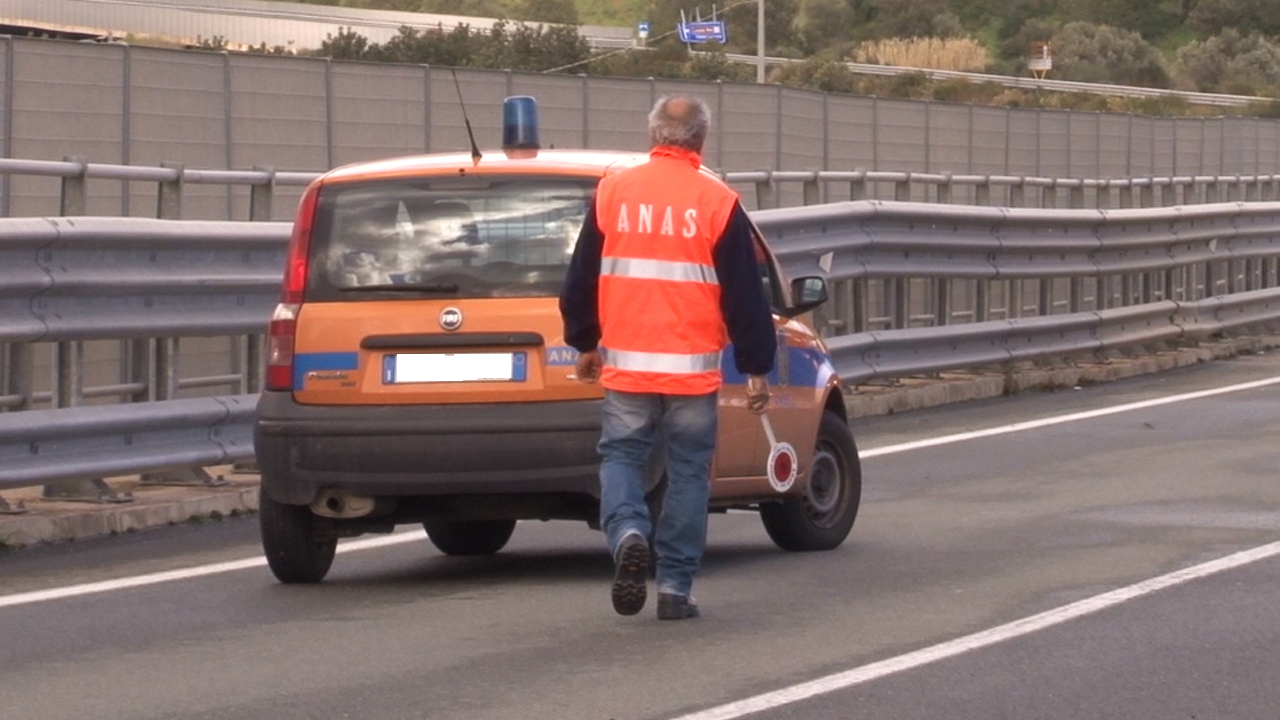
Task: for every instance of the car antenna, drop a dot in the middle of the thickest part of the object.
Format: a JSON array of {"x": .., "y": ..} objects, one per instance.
[{"x": 475, "y": 150}]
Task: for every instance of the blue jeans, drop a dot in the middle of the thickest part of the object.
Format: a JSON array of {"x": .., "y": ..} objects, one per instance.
[{"x": 687, "y": 424}]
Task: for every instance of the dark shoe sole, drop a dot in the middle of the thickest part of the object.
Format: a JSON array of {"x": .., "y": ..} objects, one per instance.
[{"x": 629, "y": 579}]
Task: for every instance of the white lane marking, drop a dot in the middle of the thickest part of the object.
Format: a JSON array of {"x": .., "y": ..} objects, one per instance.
[
  {"x": 1000, "y": 633},
  {"x": 216, "y": 568},
  {"x": 1060, "y": 419},
  {"x": 92, "y": 588}
]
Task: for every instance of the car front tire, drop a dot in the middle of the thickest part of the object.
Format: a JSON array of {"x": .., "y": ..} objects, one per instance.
[
  {"x": 298, "y": 544},
  {"x": 822, "y": 517}
]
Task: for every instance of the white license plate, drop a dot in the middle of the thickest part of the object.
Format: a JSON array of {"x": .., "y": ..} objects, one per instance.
[{"x": 453, "y": 367}]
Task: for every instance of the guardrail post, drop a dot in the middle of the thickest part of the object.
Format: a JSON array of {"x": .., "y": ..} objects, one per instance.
[
  {"x": 1211, "y": 192},
  {"x": 902, "y": 190},
  {"x": 942, "y": 310},
  {"x": 812, "y": 191},
  {"x": 74, "y": 198},
  {"x": 764, "y": 193},
  {"x": 1077, "y": 197},
  {"x": 1252, "y": 190},
  {"x": 1046, "y": 296},
  {"x": 901, "y": 303},
  {"x": 252, "y": 365},
  {"x": 1075, "y": 296},
  {"x": 138, "y": 368},
  {"x": 858, "y": 188},
  {"x": 982, "y": 192},
  {"x": 169, "y": 195},
  {"x": 1049, "y": 196},
  {"x": 1018, "y": 193},
  {"x": 1148, "y": 196},
  {"x": 166, "y": 372},
  {"x": 20, "y": 380},
  {"x": 944, "y": 190},
  {"x": 1102, "y": 195},
  {"x": 981, "y": 300},
  {"x": 1126, "y": 195},
  {"x": 861, "y": 299},
  {"x": 260, "y": 196},
  {"x": 1168, "y": 195}
]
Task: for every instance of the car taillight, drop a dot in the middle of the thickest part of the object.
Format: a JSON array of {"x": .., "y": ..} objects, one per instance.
[
  {"x": 284, "y": 323},
  {"x": 280, "y": 336},
  {"x": 295, "y": 268}
]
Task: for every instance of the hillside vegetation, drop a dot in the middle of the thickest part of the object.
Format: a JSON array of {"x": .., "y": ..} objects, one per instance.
[{"x": 1230, "y": 46}]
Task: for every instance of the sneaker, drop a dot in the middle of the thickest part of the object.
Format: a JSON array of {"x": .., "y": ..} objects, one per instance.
[
  {"x": 631, "y": 566},
  {"x": 676, "y": 607}
]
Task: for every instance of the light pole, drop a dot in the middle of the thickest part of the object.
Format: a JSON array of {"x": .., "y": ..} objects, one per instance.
[{"x": 760, "y": 41}]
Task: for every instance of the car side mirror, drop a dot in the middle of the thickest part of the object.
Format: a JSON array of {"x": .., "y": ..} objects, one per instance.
[{"x": 807, "y": 293}]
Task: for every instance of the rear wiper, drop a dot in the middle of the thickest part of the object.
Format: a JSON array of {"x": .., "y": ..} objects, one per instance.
[{"x": 446, "y": 288}]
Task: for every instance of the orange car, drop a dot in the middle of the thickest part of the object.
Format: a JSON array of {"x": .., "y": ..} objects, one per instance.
[{"x": 417, "y": 369}]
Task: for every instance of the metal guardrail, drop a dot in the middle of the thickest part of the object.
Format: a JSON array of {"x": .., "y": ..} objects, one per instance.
[
  {"x": 1025, "y": 83},
  {"x": 109, "y": 440},
  {"x": 915, "y": 289},
  {"x": 817, "y": 186}
]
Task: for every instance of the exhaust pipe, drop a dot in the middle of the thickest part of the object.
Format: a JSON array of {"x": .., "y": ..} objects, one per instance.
[{"x": 341, "y": 505}]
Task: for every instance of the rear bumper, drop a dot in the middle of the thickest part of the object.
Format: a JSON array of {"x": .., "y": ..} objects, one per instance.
[{"x": 426, "y": 450}]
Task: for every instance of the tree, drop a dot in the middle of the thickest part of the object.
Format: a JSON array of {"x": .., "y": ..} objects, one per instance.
[
  {"x": 1103, "y": 54},
  {"x": 1231, "y": 62},
  {"x": 1213, "y": 16},
  {"x": 911, "y": 18},
  {"x": 1152, "y": 19},
  {"x": 346, "y": 45},
  {"x": 824, "y": 23},
  {"x": 825, "y": 75}
]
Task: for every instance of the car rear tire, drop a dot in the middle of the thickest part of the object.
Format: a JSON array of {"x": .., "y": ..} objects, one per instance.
[
  {"x": 469, "y": 537},
  {"x": 822, "y": 517},
  {"x": 298, "y": 544}
]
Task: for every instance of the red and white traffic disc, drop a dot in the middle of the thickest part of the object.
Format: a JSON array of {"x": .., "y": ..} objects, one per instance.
[{"x": 782, "y": 465}]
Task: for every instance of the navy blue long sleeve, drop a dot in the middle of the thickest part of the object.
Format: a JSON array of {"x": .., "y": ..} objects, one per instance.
[
  {"x": 742, "y": 300},
  {"x": 580, "y": 294}
]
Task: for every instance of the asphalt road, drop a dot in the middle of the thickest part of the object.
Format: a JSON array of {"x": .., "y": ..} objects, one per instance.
[{"x": 1054, "y": 569}]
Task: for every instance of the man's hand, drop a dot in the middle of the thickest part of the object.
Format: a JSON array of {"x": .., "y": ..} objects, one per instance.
[
  {"x": 588, "y": 366},
  {"x": 757, "y": 393}
]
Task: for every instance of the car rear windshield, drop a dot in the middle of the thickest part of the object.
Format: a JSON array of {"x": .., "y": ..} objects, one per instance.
[{"x": 447, "y": 237}]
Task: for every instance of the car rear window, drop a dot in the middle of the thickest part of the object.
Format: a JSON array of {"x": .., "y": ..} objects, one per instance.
[{"x": 447, "y": 237}]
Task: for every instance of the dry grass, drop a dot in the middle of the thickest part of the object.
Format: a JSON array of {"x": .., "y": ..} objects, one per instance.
[{"x": 962, "y": 54}]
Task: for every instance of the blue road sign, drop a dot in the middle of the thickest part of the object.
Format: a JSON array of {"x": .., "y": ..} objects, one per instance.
[
  {"x": 700, "y": 32},
  {"x": 643, "y": 28}
]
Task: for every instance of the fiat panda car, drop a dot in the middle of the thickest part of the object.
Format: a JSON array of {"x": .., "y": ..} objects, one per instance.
[{"x": 418, "y": 373}]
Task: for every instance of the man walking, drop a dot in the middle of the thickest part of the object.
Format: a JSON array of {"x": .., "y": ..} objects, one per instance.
[{"x": 663, "y": 275}]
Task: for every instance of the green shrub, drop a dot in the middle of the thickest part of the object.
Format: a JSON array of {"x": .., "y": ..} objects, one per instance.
[
  {"x": 1102, "y": 54},
  {"x": 1230, "y": 62}
]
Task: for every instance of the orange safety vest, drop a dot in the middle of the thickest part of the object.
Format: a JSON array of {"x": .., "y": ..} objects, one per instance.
[{"x": 661, "y": 326}]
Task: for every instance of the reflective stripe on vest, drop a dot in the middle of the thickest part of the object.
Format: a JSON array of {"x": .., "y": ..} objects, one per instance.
[
  {"x": 671, "y": 363},
  {"x": 658, "y": 270}
]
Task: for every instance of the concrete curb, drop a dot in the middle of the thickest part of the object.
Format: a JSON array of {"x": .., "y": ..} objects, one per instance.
[{"x": 159, "y": 505}]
